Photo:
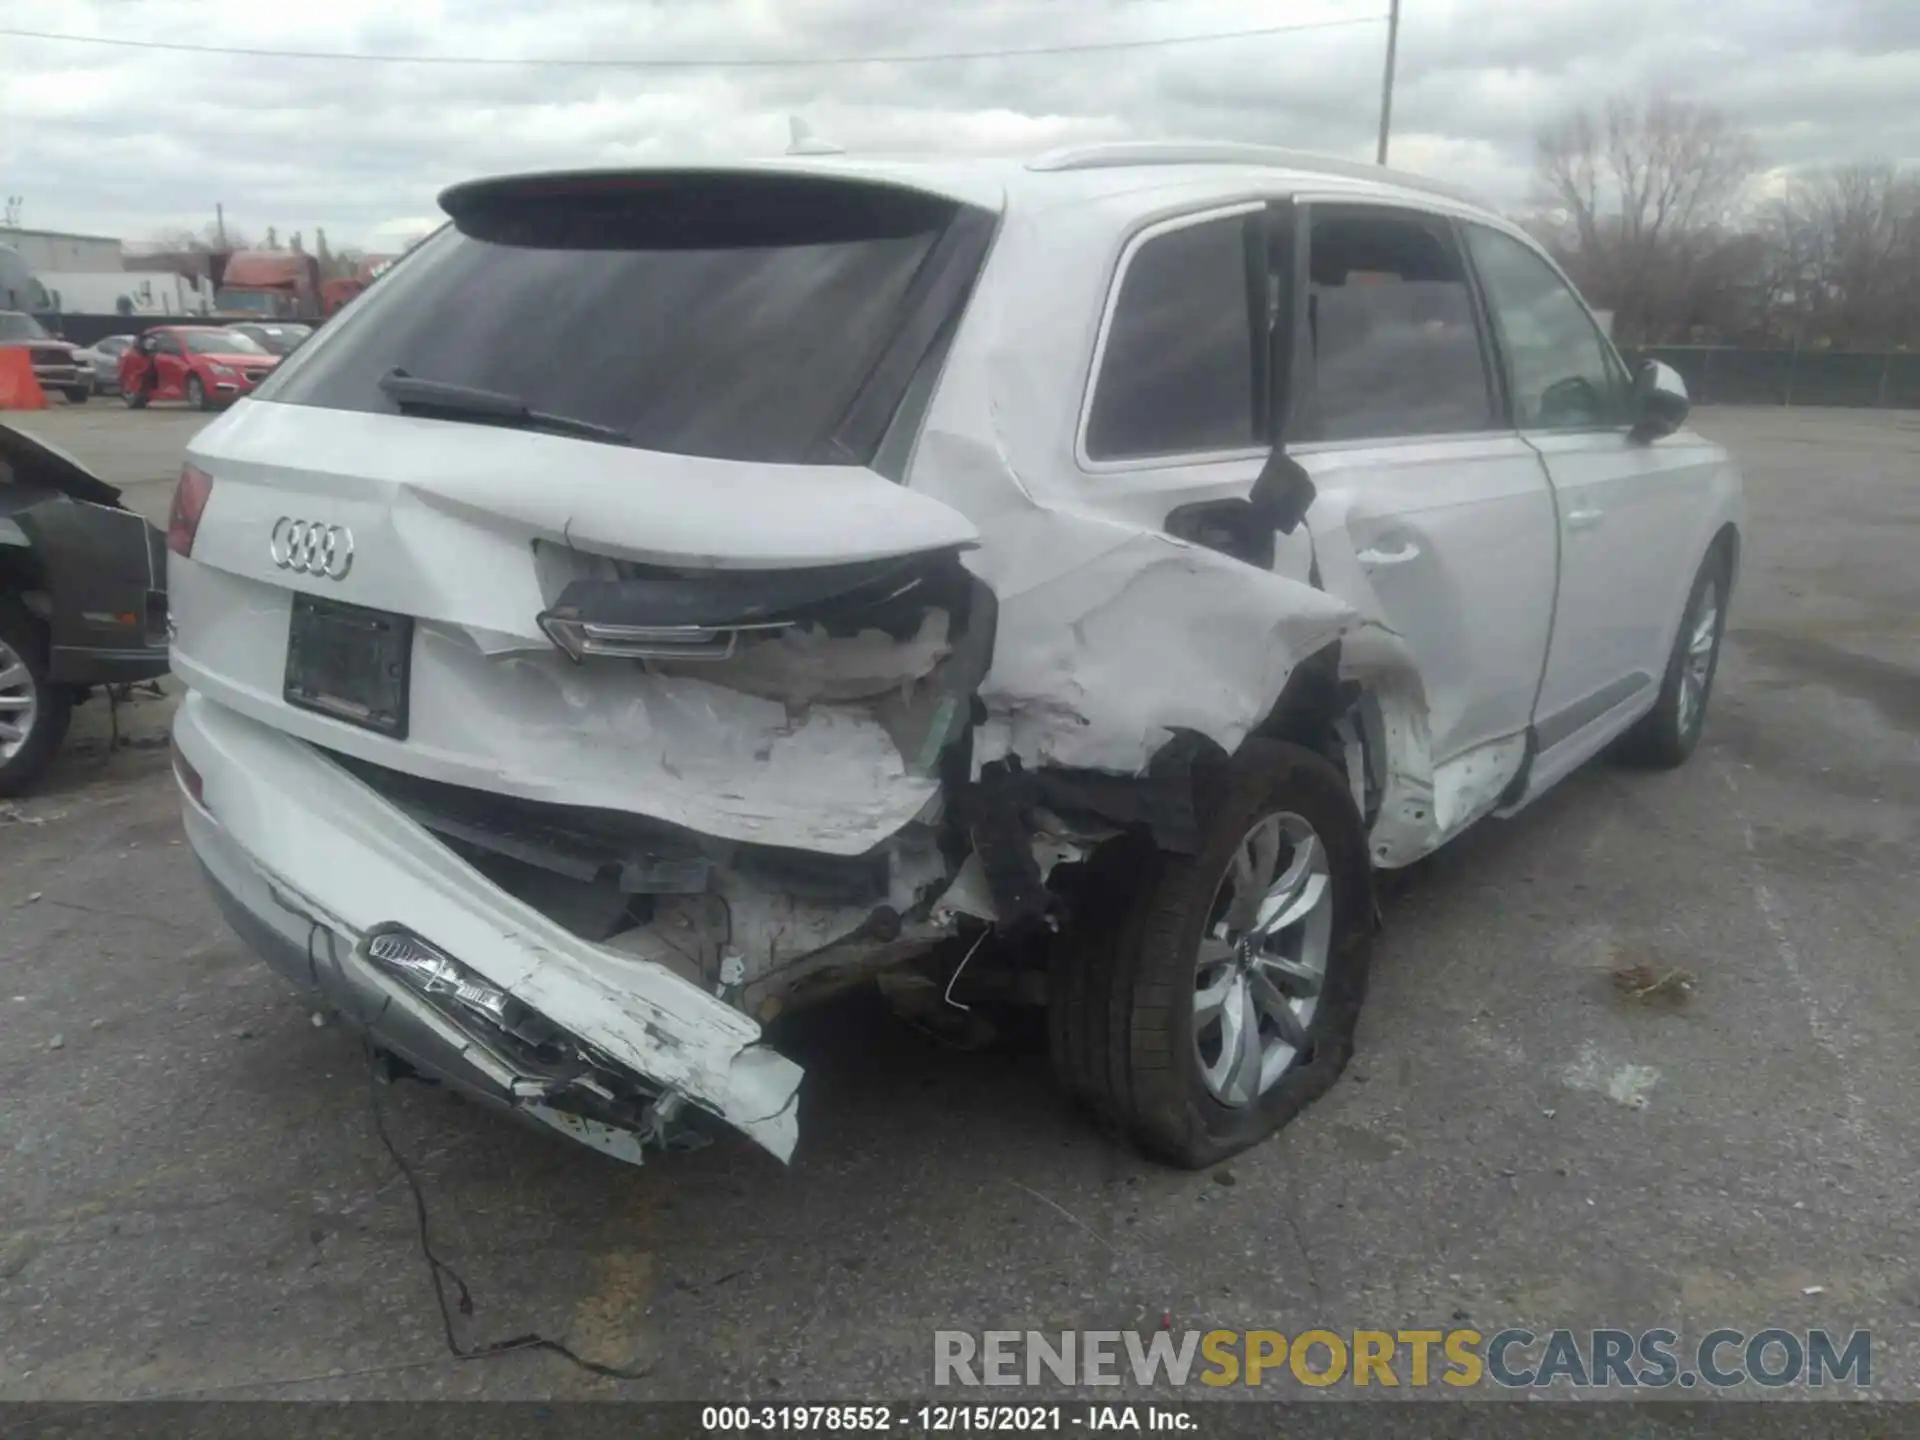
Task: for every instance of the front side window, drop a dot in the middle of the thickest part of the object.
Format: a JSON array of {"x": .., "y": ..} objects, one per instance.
[
  {"x": 1562, "y": 371},
  {"x": 1177, "y": 372},
  {"x": 1390, "y": 326}
]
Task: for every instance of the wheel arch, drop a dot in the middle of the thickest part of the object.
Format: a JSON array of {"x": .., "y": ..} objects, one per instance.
[
  {"x": 1360, "y": 702},
  {"x": 1726, "y": 540},
  {"x": 22, "y": 574}
]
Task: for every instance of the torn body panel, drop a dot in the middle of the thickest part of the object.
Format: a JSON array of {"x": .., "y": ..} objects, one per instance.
[
  {"x": 1413, "y": 806},
  {"x": 1100, "y": 665},
  {"x": 465, "y": 544},
  {"x": 742, "y": 921},
  {"x": 276, "y": 809},
  {"x": 1422, "y": 798}
]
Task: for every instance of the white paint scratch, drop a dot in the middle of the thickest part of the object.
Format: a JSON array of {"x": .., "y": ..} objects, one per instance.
[{"x": 1622, "y": 1083}]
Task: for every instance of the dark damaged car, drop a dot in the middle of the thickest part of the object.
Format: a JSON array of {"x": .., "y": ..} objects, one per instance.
[
  {"x": 669, "y": 597},
  {"x": 83, "y": 600}
]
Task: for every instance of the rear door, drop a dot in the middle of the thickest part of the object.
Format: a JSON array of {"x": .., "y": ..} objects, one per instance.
[
  {"x": 1432, "y": 512},
  {"x": 1627, "y": 510}
]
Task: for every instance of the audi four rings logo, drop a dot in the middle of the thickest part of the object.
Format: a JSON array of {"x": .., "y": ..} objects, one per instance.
[{"x": 306, "y": 547}]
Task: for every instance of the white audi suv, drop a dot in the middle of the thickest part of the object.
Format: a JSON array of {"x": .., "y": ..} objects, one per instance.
[{"x": 674, "y": 595}]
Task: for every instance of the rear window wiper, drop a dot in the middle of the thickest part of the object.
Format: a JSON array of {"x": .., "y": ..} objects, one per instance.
[{"x": 411, "y": 392}]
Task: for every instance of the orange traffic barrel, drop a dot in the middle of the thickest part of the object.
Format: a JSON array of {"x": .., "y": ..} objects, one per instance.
[{"x": 19, "y": 388}]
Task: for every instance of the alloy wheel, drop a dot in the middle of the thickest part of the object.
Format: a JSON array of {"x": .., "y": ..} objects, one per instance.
[
  {"x": 19, "y": 702},
  {"x": 1696, "y": 668},
  {"x": 1262, "y": 963}
]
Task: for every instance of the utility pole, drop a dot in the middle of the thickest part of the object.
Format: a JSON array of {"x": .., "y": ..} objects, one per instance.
[
  {"x": 220, "y": 214},
  {"x": 1386, "y": 83}
]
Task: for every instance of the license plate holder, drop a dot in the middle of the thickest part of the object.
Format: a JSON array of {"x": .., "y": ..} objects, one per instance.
[{"x": 350, "y": 663}]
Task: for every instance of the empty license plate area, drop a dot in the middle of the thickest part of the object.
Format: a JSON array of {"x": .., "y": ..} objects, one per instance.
[{"x": 350, "y": 662}]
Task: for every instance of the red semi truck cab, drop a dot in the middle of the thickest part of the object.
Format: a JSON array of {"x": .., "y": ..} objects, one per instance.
[{"x": 268, "y": 285}]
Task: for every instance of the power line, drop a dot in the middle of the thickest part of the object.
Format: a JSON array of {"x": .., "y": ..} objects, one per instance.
[{"x": 744, "y": 62}]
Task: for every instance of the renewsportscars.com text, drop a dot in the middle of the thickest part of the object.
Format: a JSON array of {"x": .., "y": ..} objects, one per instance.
[{"x": 1513, "y": 1358}]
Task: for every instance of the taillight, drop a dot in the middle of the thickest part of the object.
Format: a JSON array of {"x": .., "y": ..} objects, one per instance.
[{"x": 189, "y": 502}]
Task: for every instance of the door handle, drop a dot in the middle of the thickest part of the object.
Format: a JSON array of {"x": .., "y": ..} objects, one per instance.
[
  {"x": 1584, "y": 519},
  {"x": 1374, "y": 558}
]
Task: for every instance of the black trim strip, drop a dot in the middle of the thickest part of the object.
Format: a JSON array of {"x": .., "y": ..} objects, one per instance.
[
  {"x": 939, "y": 292},
  {"x": 1570, "y": 720}
]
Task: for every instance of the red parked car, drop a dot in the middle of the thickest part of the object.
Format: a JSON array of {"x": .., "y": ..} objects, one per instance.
[{"x": 204, "y": 365}]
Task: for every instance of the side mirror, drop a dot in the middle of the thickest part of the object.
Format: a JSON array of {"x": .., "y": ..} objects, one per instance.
[{"x": 1660, "y": 402}]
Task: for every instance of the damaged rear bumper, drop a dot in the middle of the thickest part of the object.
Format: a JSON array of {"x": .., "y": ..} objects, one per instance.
[{"x": 310, "y": 865}]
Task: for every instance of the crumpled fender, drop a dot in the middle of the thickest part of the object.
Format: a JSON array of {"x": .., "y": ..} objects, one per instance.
[
  {"x": 1112, "y": 637},
  {"x": 1097, "y": 665}
]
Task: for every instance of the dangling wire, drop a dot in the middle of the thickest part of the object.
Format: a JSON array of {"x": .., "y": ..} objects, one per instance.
[{"x": 438, "y": 1269}]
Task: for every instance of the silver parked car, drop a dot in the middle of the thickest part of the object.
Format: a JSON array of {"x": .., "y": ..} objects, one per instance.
[{"x": 102, "y": 358}]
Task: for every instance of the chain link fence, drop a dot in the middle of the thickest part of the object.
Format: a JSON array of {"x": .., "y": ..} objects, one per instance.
[{"x": 1729, "y": 375}]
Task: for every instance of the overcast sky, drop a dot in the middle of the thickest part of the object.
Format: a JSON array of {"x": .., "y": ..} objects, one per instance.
[{"x": 132, "y": 142}]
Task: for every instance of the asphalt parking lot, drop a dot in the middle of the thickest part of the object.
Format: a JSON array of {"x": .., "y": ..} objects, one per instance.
[{"x": 194, "y": 1201}]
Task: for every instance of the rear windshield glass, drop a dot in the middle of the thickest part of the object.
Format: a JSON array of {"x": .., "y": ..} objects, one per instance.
[
  {"x": 222, "y": 342},
  {"x": 729, "y": 317}
]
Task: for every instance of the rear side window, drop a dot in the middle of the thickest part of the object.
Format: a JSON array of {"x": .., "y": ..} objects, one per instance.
[
  {"x": 727, "y": 316},
  {"x": 1390, "y": 323},
  {"x": 1177, "y": 372}
]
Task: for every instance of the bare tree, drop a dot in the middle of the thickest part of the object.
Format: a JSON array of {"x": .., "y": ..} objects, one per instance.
[
  {"x": 1845, "y": 251},
  {"x": 184, "y": 251},
  {"x": 1641, "y": 200},
  {"x": 345, "y": 262},
  {"x": 202, "y": 241}
]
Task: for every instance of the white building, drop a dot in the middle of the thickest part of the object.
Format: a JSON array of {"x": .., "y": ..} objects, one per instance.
[
  {"x": 49, "y": 252},
  {"x": 125, "y": 292}
]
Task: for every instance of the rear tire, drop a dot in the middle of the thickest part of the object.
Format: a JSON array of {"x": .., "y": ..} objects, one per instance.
[
  {"x": 30, "y": 733},
  {"x": 79, "y": 395},
  {"x": 1128, "y": 978},
  {"x": 1666, "y": 735}
]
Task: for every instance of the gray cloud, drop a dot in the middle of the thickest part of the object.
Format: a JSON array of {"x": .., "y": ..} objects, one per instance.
[{"x": 132, "y": 142}]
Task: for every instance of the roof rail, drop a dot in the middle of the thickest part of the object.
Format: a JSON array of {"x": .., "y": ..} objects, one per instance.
[{"x": 1114, "y": 154}]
